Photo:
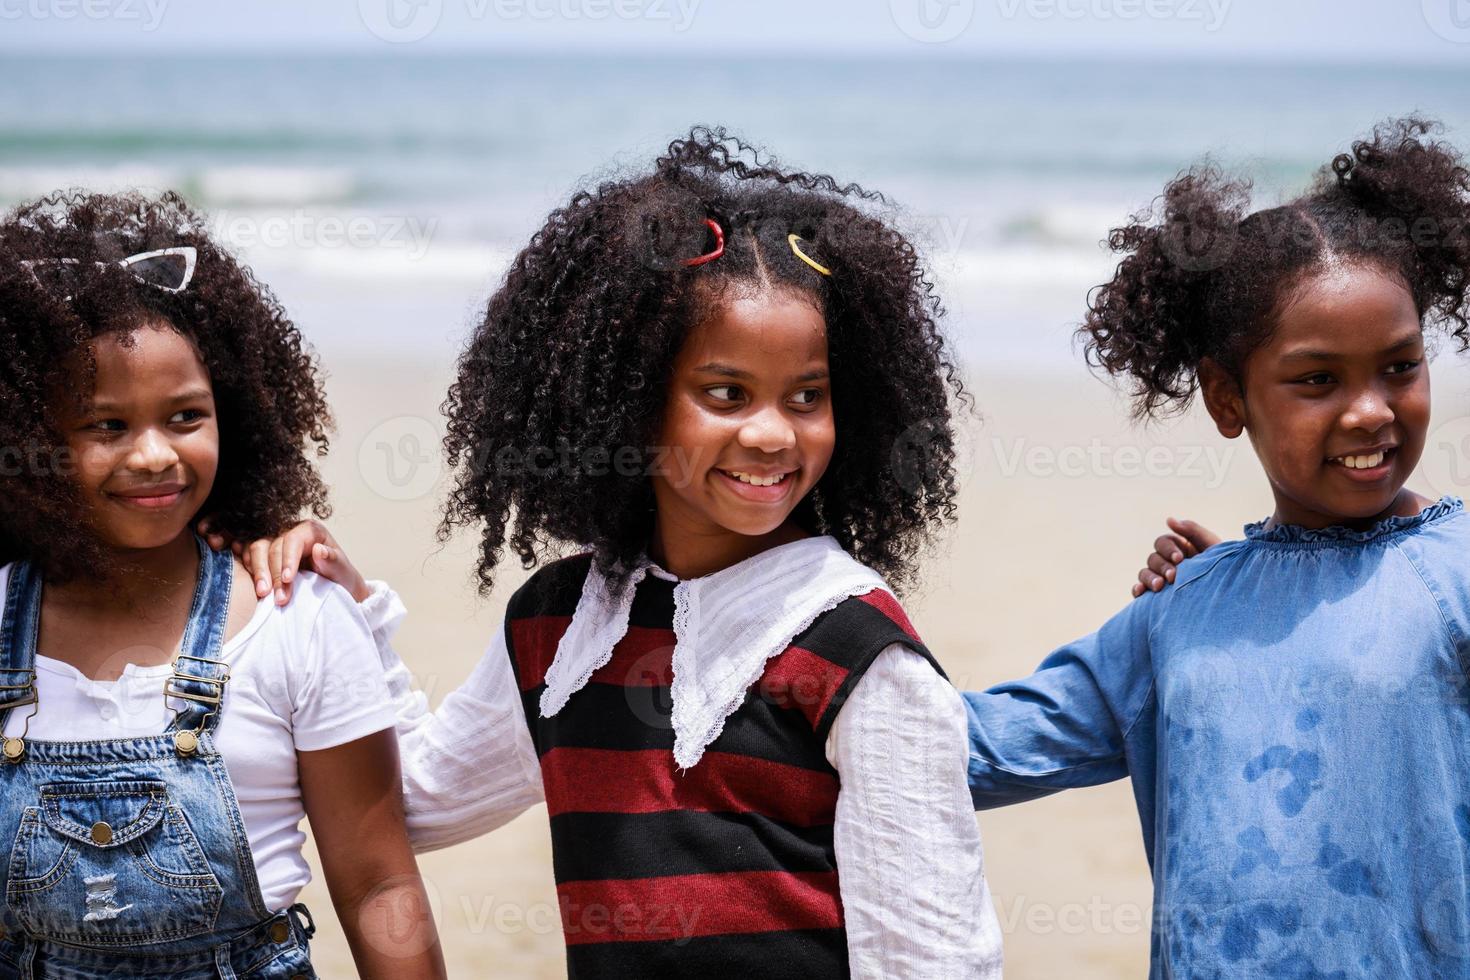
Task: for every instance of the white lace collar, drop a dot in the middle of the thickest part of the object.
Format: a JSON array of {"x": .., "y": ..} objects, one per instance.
[{"x": 726, "y": 626}]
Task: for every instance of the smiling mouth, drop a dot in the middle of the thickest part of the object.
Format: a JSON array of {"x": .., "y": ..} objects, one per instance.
[
  {"x": 160, "y": 499},
  {"x": 1366, "y": 465},
  {"x": 760, "y": 489},
  {"x": 757, "y": 481}
]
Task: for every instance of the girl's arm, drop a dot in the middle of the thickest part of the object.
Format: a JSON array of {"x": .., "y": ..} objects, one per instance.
[
  {"x": 353, "y": 799},
  {"x": 910, "y": 866},
  {"x": 1067, "y": 725},
  {"x": 468, "y": 767}
]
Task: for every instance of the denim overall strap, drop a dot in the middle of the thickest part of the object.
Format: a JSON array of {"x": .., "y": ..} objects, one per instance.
[
  {"x": 199, "y": 676},
  {"x": 17, "y": 635},
  {"x": 128, "y": 858}
]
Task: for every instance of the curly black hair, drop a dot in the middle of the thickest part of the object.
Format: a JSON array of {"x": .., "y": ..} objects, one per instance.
[
  {"x": 574, "y": 354},
  {"x": 1202, "y": 278},
  {"x": 267, "y": 388}
]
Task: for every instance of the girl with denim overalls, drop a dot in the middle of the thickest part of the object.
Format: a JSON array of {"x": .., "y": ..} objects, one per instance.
[{"x": 151, "y": 788}]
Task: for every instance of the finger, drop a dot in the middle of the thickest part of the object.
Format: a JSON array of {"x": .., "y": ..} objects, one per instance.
[
  {"x": 276, "y": 552},
  {"x": 1198, "y": 536},
  {"x": 258, "y": 561},
  {"x": 1138, "y": 589},
  {"x": 1170, "y": 547},
  {"x": 324, "y": 559},
  {"x": 1151, "y": 581},
  {"x": 290, "y": 562},
  {"x": 1160, "y": 565}
]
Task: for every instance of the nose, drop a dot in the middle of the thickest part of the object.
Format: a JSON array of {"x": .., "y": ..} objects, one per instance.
[
  {"x": 1368, "y": 411},
  {"x": 768, "y": 431},
  {"x": 152, "y": 452}
]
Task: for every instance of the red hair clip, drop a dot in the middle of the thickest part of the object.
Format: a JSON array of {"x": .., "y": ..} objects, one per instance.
[{"x": 713, "y": 226}]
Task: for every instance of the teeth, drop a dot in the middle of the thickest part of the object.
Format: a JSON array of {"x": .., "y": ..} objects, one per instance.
[
  {"x": 758, "y": 481},
  {"x": 1362, "y": 462}
]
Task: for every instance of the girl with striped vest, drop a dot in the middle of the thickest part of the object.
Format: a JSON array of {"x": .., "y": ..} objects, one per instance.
[{"x": 726, "y": 382}]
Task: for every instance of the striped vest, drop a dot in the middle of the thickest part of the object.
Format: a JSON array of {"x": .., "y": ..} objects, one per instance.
[{"x": 723, "y": 869}]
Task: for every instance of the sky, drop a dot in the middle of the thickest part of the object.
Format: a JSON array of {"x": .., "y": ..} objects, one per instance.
[{"x": 1435, "y": 31}]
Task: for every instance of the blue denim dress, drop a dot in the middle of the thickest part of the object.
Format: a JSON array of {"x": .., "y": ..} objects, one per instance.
[
  {"x": 128, "y": 858},
  {"x": 1292, "y": 715}
]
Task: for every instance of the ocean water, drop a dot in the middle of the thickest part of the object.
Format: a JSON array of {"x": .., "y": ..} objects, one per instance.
[{"x": 382, "y": 197}]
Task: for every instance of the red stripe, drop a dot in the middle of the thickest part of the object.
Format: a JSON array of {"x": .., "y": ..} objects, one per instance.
[
  {"x": 802, "y": 680},
  {"x": 642, "y": 658},
  {"x": 680, "y": 907},
  {"x": 534, "y": 640},
  {"x": 888, "y": 606},
  {"x": 646, "y": 781}
]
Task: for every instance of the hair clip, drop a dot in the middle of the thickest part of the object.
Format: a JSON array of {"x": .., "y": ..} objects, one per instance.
[
  {"x": 713, "y": 226},
  {"x": 792, "y": 240}
]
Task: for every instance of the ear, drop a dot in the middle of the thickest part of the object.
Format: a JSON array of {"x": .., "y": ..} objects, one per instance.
[{"x": 1223, "y": 398}]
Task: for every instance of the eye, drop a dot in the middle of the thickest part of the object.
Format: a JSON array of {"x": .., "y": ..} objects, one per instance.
[
  {"x": 715, "y": 392},
  {"x": 107, "y": 425},
  {"x": 1403, "y": 367},
  {"x": 1317, "y": 380},
  {"x": 814, "y": 395},
  {"x": 186, "y": 416}
]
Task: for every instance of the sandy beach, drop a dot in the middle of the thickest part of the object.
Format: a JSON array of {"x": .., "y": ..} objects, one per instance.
[{"x": 1062, "y": 497}]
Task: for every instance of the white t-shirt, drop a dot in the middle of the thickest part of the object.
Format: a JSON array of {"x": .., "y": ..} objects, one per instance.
[{"x": 302, "y": 678}]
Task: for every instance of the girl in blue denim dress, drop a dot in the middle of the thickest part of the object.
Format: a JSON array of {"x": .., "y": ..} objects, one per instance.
[
  {"x": 152, "y": 787},
  {"x": 1292, "y": 709}
]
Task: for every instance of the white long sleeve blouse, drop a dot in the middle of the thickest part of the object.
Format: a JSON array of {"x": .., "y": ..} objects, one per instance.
[{"x": 911, "y": 867}]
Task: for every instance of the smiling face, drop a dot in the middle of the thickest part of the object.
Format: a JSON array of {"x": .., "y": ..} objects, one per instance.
[
  {"x": 1337, "y": 401},
  {"x": 748, "y": 427},
  {"x": 146, "y": 450}
]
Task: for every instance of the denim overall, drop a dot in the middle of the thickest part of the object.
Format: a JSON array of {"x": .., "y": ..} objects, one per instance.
[{"x": 128, "y": 858}]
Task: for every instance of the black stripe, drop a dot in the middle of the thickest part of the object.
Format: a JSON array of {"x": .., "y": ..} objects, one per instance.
[
  {"x": 605, "y": 716},
  {"x": 810, "y": 954},
  {"x": 597, "y": 846},
  {"x": 844, "y": 634}
]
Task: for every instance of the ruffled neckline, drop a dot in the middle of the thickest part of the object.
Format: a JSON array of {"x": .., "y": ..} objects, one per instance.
[{"x": 1337, "y": 534}]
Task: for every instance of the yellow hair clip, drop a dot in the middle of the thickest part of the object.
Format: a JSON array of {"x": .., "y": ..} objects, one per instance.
[{"x": 792, "y": 240}]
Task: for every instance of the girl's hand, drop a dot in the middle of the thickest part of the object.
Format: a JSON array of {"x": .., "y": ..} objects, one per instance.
[
  {"x": 1188, "y": 540},
  {"x": 274, "y": 562}
]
